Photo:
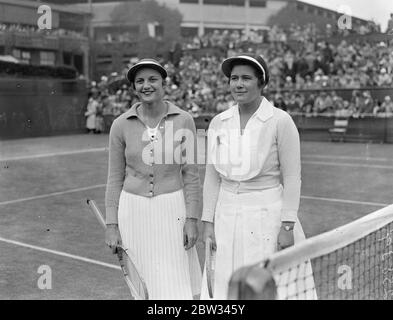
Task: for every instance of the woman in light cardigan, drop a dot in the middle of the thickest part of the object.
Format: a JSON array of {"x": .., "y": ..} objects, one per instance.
[
  {"x": 153, "y": 186},
  {"x": 248, "y": 212}
]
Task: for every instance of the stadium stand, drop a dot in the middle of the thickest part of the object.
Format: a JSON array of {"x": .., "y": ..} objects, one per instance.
[
  {"x": 352, "y": 79},
  {"x": 320, "y": 69},
  {"x": 42, "y": 72}
]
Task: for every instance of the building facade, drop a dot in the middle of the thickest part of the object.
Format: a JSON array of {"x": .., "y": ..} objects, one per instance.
[
  {"x": 65, "y": 44},
  {"x": 199, "y": 16},
  {"x": 204, "y": 16},
  {"x": 116, "y": 42}
]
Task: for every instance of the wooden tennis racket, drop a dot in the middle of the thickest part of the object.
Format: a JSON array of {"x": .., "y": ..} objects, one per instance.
[
  {"x": 132, "y": 276},
  {"x": 210, "y": 256}
]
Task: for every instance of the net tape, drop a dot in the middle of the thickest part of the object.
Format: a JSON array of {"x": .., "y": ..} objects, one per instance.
[{"x": 354, "y": 261}]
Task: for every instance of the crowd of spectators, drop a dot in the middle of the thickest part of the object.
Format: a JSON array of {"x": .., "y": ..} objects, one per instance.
[
  {"x": 106, "y": 102},
  {"x": 298, "y": 60},
  {"x": 305, "y": 74},
  {"x": 324, "y": 65},
  {"x": 329, "y": 103},
  {"x": 198, "y": 86},
  {"x": 34, "y": 30},
  {"x": 234, "y": 39}
]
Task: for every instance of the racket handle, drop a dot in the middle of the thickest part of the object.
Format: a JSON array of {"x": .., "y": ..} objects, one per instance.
[{"x": 93, "y": 206}]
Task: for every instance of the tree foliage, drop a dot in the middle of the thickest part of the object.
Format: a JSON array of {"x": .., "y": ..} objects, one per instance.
[
  {"x": 289, "y": 14},
  {"x": 141, "y": 14}
]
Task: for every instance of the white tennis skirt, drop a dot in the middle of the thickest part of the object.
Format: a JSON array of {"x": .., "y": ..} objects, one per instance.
[
  {"x": 246, "y": 228},
  {"x": 152, "y": 231}
]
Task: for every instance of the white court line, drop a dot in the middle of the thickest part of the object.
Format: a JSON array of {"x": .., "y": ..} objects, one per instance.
[
  {"x": 343, "y": 164},
  {"x": 59, "y": 253},
  {"x": 51, "y": 194},
  {"x": 103, "y": 149},
  {"x": 344, "y": 157},
  {"x": 103, "y": 185},
  {"x": 377, "y": 204},
  {"x": 54, "y": 154}
]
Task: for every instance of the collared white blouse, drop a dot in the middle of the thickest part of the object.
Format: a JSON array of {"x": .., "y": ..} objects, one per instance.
[{"x": 266, "y": 152}]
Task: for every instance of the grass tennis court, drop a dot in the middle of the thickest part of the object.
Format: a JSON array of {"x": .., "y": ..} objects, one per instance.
[{"x": 44, "y": 219}]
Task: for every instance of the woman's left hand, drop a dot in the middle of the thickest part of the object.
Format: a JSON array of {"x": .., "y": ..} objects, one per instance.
[
  {"x": 285, "y": 239},
  {"x": 190, "y": 233}
]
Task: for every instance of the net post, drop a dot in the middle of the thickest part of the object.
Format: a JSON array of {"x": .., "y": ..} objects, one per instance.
[{"x": 253, "y": 282}]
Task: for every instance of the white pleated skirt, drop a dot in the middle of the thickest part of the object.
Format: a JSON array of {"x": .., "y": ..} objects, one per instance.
[
  {"x": 246, "y": 228},
  {"x": 152, "y": 231}
]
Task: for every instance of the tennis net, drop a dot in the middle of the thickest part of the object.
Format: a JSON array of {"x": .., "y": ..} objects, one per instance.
[{"x": 352, "y": 262}]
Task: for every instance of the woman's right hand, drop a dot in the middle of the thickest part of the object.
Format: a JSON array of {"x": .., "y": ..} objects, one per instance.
[
  {"x": 208, "y": 232},
  {"x": 112, "y": 237}
]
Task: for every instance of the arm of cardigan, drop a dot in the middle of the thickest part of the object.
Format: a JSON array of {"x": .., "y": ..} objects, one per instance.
[
  {"x": 116, "y": 172},
  {"x": 111, "y": 215},
  {"x": 190, "y": 170},
  {"x": 289, "y": 156},
  {"x": 192, "y": 210},
  {"x": 191, "y": 191}
]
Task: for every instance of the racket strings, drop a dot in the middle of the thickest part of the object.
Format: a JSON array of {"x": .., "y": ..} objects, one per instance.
[{"x": 134, "y": 277}]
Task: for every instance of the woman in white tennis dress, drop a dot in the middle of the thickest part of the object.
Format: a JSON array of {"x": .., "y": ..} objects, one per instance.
[
  {"x": 253, "y": 177},
  {"x": 153, "y": 192}
]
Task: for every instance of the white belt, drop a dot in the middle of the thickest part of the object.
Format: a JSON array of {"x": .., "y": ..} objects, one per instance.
[{"x": 254, "y": 198}]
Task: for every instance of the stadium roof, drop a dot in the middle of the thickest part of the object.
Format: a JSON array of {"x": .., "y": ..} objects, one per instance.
[{"x": 329, "y": 10}]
